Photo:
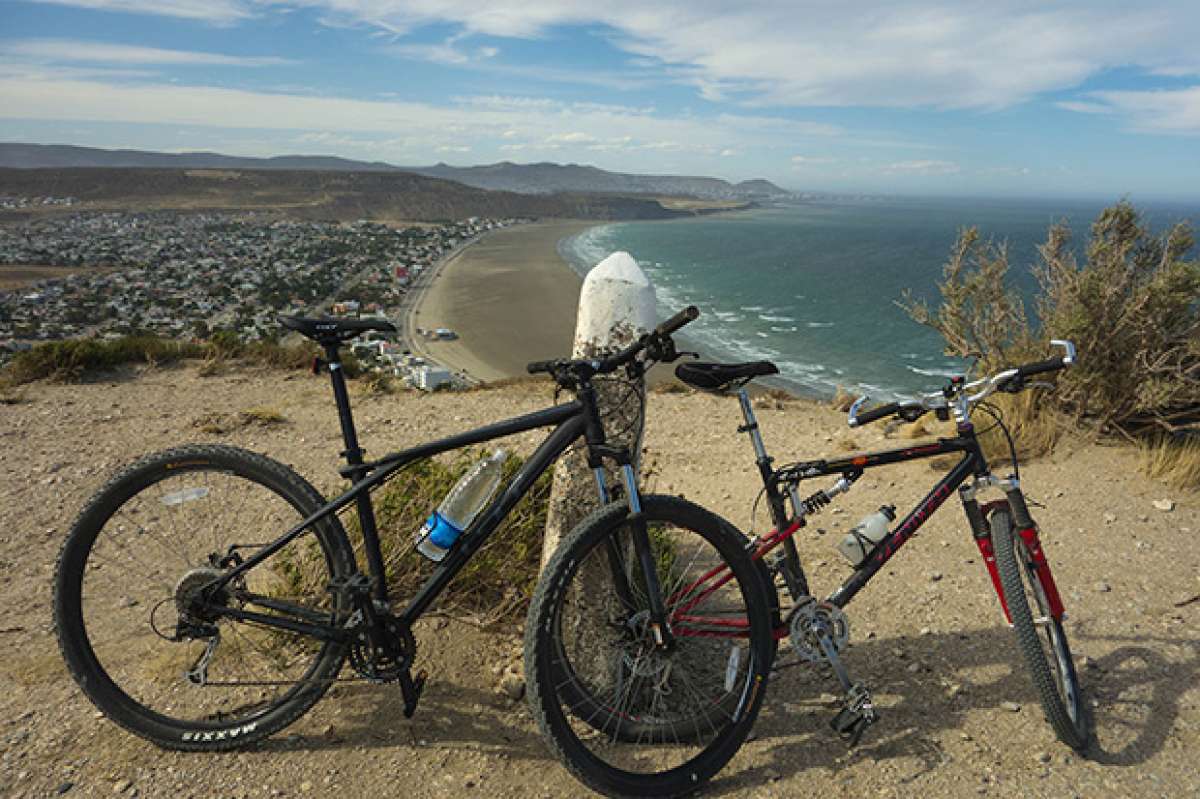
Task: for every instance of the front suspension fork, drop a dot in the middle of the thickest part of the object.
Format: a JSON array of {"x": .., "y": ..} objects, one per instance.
[
  {"x": 658, "y": 626},
  {"x": 1027, "y": 530}
]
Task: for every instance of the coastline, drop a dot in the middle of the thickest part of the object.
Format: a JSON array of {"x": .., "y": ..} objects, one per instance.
[{"x": 509, "y": 296}]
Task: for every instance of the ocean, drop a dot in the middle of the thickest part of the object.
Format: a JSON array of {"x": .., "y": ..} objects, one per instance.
[{"x": 813, "y": 287}]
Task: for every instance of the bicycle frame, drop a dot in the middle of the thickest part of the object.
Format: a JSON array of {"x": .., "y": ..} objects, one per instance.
[
  {"x": 972, "y": 464},
  {"x": 571, "y": 420}
]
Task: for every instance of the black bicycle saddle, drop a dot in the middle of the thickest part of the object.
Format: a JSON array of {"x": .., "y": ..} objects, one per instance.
[{"x": 720, "y": 376}]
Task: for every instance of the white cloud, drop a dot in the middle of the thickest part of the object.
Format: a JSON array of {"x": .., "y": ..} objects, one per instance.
[
  {"x": 479, "y": 122},
  {"x": 1161, "y": 111},
  {"x": 933, "y": 53},
  {"x": 805, "y": 160},
  {"x": 214, "y": 11},
  {"x": 922, "y": 167},
  {"x": 1082, "y": 107},
  {"x": 81, "y": 51},
  {"x": 574, "y": 137}
]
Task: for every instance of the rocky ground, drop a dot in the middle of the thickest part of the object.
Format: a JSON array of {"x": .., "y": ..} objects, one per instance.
[{"x": 959, "y": 715}]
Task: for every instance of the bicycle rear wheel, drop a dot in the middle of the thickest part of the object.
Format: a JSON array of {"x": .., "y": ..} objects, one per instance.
[
  {"x": 126, "y": 596},
  {"x": 625, "y": 717},
  {"x": 1041, "y": 638}
]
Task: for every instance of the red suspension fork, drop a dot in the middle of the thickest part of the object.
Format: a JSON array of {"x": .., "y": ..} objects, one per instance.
[
  {"x": 1027, "y": 531},
  {"x": 1041, "y": 567}
]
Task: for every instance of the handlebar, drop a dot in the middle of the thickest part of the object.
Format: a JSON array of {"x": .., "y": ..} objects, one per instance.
[
  {"x": 659, "y": 338},
  {"x": 1009, "y": 379},
  {"x": 875, "y": 414}
]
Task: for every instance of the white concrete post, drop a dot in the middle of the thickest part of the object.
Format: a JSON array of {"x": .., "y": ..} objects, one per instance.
[{"x": 616, "y": 305}]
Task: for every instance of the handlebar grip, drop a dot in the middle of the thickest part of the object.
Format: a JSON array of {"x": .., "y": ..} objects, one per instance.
[
  {"x": 876, "y": 413},
  {"x": 535, "y": 367},
  {"x": 677, "y": 321},
  {"x": 1051, "y": 365}
]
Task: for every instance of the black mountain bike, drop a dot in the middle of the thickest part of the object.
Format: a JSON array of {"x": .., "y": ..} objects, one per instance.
[
  {"x": 1003, "y": 530},
  {"x": 208, "y": 596}
]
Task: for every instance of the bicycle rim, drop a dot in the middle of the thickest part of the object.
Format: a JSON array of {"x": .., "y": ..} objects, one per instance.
[
  {"x": 1042, "y": 639},
  {"x": 158, "y": 533},
  {"x": 629, "y": 717}
]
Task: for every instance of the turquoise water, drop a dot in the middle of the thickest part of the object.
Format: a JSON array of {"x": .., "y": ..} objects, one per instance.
[{"x": 814, "y": 287}]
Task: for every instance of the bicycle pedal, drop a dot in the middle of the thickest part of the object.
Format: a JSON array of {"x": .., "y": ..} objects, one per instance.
[
  {"x": 850, "y": 725},
  {"x": 857, "y": 713}
]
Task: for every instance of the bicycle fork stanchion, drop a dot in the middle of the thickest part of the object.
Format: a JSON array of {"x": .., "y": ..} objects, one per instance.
[{"x": 641, "y": 546}]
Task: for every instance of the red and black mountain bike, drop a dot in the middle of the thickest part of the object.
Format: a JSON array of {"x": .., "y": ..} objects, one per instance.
[{"x": 1003, "y": 529}]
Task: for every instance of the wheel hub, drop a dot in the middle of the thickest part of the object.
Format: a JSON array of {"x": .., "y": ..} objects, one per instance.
[{"x": 190, "y": 602}]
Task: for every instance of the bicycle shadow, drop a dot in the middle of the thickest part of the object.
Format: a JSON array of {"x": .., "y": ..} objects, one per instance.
[
  {"x": 450, "y": 715},
  {"x": 1137, "y": 689}
]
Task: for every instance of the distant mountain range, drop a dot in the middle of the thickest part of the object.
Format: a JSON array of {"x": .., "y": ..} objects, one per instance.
[{"x": 542, "y": 178}]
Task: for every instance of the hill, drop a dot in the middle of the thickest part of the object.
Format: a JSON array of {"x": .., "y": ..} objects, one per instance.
[
  {"x": 542, "y": 178},
  {"x": 547, "y": 178},
  {"x": 311, "y": 194}
]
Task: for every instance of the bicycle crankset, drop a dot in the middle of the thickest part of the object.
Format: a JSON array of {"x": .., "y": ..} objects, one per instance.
[
  {"x": 808, "y": 621},
  {"x": 380, "y": 661}
]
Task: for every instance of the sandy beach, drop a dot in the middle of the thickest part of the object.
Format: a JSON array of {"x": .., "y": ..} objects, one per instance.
[{"x": 510, "y": 298}]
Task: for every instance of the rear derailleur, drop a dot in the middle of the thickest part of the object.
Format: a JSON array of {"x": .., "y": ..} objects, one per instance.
[{"x": 818, "y": 631}]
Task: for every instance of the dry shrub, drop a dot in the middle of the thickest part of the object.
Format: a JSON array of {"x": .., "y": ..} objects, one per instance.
[
  {"x": 217, "y": 423},
  {"x": 1173, "y": 459},
  {"x": 842, "y": 399},
  {"x": 1035, "y": 427},
  {"x": 1132, "y": 309},
  {"x": 378, "y": 383}
]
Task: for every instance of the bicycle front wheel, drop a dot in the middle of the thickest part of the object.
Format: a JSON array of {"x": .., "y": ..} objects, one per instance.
[
  {"x": 1041, "y": 638},
  {"x": 626, "y": 717},
  {"x": 126, "y": 588}
]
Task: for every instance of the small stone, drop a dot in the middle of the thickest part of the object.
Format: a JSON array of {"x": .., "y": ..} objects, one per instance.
[
  {"x": 962, "y": 736},
  {"x": 1043, "y": 757},
  {"x": 957, "y": 690},
  {"x": 925, "y": 631},
  {"x": 913, "y": 668},
  {"x": 64, "y": 787},
  {"x": 122, "y": 786},
  {"x": 1109, "y": 518},
  {"x": 1102, "y": 587},
  {"x": 935, "y": 576},
  {"x": 1011, "y": 707},
  {"x": 1164, "y": 505},
  {"x": 1143, "y": 518},
  {"x": 306, "y": 786},
  {"x": 512, "y": 685}
]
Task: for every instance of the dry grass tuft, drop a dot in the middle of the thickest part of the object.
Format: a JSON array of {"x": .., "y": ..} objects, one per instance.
[
  {"x": 842, "y": 400},
  {"x": 1173, "y": 459},
  {"x": 671, "y": 387}
]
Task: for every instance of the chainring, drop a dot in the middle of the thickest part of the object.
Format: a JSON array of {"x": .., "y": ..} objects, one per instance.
[
  {"x": 380, "y": 664},
  {"x": 809, "y": 616}
]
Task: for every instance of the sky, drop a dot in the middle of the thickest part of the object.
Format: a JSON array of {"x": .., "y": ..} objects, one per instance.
[{"x": 1060, "y": 98}]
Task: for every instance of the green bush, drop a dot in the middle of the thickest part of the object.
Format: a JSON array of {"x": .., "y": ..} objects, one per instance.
[
  {"x": 498, "y": 581},
  {"x": 73, "y": 358},
  {"x": 1132, "y": 309}
]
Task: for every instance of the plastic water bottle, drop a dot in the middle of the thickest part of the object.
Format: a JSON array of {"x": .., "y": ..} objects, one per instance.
[
  {"x": 866, "y": 535},
  {"x": 460, "y": 507}
]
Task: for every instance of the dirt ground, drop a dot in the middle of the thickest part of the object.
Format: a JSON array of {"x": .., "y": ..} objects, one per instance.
[{"x": 959, "y": 713}]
